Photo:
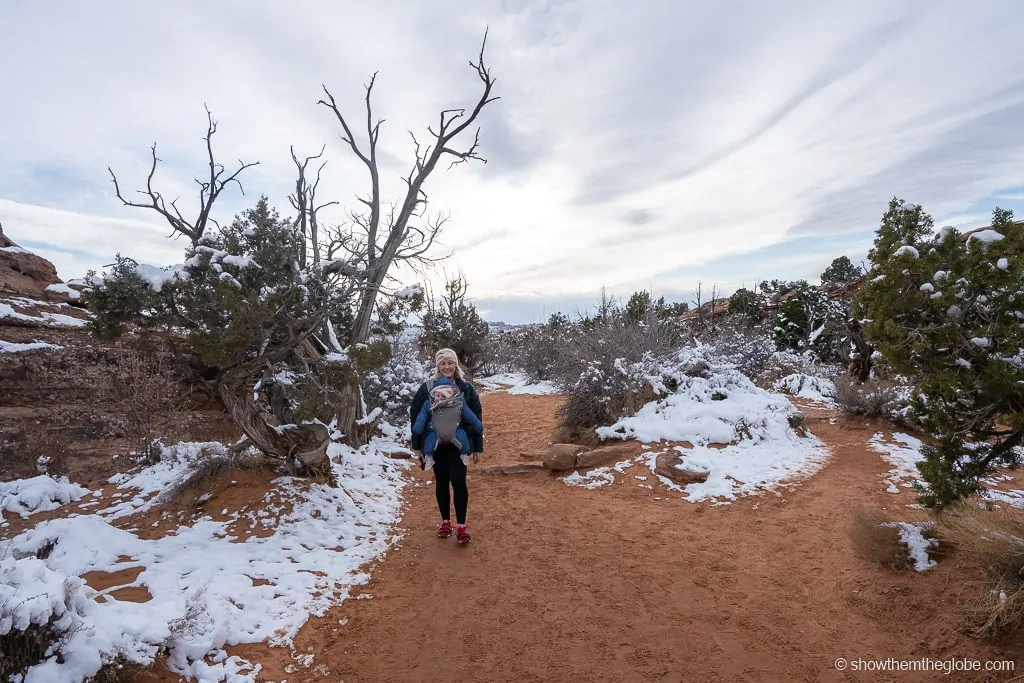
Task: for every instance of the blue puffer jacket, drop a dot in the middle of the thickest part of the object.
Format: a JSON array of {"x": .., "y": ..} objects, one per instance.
[
  {"x": 423, "y": 425},
  {"x": 471, "y": 399}
]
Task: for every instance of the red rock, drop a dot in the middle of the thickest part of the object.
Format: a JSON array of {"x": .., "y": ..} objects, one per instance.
[
  {"x": 562, "y": 456},
  {"x": 667, "y": 465},
  {"x": 605, "y": 455}
]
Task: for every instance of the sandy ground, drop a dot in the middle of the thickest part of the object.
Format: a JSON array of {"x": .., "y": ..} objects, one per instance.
[{"x": 624, "y": 583}]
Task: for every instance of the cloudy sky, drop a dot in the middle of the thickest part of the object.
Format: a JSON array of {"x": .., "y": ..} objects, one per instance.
[{"x": 652, "y": 144}]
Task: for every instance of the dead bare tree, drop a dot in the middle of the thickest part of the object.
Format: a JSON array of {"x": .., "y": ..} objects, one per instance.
[
  {"x": 233, "y": 384},
  {"x": 388, "y": 239},
  {"x": 856, "y": 352},
  {"x": 700, "y": 310},
  {"x": 307, "y": 210},
  {"x": 714, "y": 301},
  {"x": 209, "y": 190},
  {"x": 402, "y": 233}
]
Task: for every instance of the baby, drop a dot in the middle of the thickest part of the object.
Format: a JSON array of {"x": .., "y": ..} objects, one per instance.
[{"x": 443, "y": 390}]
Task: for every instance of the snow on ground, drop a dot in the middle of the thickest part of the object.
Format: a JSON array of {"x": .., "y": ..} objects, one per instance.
[
  {"x": 1011, "y": 496},
  {"x": 26, "y": 497},
  {"x": 516, "y": 383},
  {"x": 209, "y": 587},
  {"x": 62, "y": 288},
  {"x": 903, "y": 452},
  {"x": 45, "y": 317},
  {"x": 15, "y": 347},
  {"x": 719, "y": 405},
  {"x": 596, "y": 477},
  {"x": 912, "y": 535},
  {"x": 807, "y": 386}
]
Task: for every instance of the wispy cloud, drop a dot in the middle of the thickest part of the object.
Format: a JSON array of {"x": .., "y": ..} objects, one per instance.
[{"x": 670, "y": 140}]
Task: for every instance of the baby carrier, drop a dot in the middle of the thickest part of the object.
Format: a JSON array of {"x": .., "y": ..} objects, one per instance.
[{"x": 445, "y": 411}]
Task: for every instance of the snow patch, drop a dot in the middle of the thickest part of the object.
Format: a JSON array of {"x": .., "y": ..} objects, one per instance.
[
  {"x": 225, "y": 590},
  {"x": 15, "y": 347},
  {"x": 26, "y": 497},
  {"x": 517, "y": 383},
  {"x": 903, "y": 452},
  {"x": 61, "y": 288}
]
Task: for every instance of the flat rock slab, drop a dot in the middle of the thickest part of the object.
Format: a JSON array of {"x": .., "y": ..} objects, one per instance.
[
  {"x": 515, "y": 468},
  {"x": 562, "y": 456},
  {"x": 668, "y": 465},
  {"x": 604, "y": 455}
]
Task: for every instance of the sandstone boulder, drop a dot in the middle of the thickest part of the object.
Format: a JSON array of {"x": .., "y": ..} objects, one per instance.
[
  {"x": 23, "y": 273},
  {"x": 605, "y": 455},
  {"x": 671, "y": 466},
  {"x": 63, "y": 294},
  {"x": 562, "y": 456}
]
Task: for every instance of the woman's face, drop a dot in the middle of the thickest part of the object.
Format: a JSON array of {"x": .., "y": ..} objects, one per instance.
[{"x": 446, "y": 367}]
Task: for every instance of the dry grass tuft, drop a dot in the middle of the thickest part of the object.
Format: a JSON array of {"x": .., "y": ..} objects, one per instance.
[
  {"x": 875, "y": 541},
  {"x": 989, "y": 539},
  {"x": 992, "y": 542},
  {"x": 995, "y": 608},
  {"x": 216, "y": 463},
  {"x": 876, "y": 538}
]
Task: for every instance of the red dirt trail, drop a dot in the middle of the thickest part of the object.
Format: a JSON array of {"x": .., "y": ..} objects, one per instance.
[{"x": 612, "y": 584}]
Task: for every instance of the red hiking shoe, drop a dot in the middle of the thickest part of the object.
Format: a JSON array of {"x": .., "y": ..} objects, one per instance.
[
  {"x": 462, "y": 534},
  {"x": 445, "y": 530}
]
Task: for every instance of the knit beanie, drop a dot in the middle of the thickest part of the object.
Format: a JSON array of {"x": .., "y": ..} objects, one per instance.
[{"x": 446, "y": 353}]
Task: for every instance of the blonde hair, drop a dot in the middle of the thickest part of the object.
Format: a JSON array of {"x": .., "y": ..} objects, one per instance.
[{"x": 444, "y": 353}]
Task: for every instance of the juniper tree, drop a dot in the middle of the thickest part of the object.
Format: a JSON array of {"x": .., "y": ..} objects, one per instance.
[
  {"x": 809, "y": 320},
  {"x": 455, "y": 323},
  {"x": 747, "y": 304},
  {"x": 361, "y": 253},
  {"x": 245, "y": 310},
  {"x": 948, "y": 309},
  {"x": 840, "y": 272},
  {"x": 638, "y": 306}
]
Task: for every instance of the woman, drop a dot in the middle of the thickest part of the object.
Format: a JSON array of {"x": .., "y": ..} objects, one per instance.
[{"x": 449, "y": 466}]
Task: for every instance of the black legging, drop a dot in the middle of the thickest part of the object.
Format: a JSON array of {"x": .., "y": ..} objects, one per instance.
[{"x": 449, "y": 470}]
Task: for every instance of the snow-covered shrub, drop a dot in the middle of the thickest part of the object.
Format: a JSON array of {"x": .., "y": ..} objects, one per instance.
[
  {"x": 391, "y": 387},
  {"x": 785, "y": 363},
  {"x": 748, "y": 347},
  {"x": 239, "y": 315},
  {"x": 37, "y": 623},
  {"x": 704, "y": 395},
  {"x": 806, "y": 386},
  {"x": 38, "y": 494},
  {"x": 884, "y": 399},
  {"x": 606, "y": 390},
  {"x": 809, "y": 320},
  {"x": 605, "y": 368},
  {"x": 48, "y": 634}
]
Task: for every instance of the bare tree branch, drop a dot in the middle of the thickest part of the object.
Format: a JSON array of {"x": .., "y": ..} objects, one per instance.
[{"x": 209, "y": 190}]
